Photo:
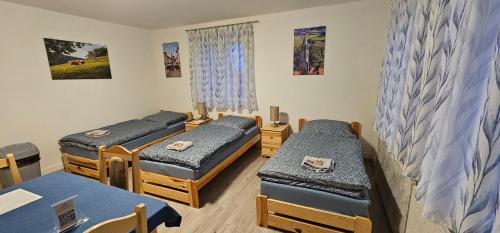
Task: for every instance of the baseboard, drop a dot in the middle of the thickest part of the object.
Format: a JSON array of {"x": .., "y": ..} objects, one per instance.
[{"x": 53, "y": 168}]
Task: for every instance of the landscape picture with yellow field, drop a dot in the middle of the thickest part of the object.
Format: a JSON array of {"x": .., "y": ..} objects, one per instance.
[{"x": 77, "y": 60}]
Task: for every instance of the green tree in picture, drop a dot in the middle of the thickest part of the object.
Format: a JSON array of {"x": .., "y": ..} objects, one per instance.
[
  {"x": 56, "y": 47},
  {"x": 315, "y": 56}
]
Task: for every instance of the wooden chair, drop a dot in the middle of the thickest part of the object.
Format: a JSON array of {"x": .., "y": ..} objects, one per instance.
[
  {"x": 117, "y": 176},
  {"x": 10, "y": 162},
  {"x": 137, "y": 220}
]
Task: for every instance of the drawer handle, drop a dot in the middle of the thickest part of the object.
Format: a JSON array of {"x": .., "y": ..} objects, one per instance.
[{"x": 271, "y": 138}]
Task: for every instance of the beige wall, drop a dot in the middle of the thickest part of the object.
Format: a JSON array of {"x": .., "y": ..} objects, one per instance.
[
  {"x": 35, "y": 108},
  {"x": 355, "y": 42}
]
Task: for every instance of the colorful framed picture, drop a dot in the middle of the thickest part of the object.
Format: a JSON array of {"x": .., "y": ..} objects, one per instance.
[
  {"x": 309, "y": 51},
  {"x": 77, "y": 60},
  {"x": 172, "y": 59}
]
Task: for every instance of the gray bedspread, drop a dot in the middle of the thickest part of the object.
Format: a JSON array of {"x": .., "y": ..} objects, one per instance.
[
  {"x": 235, "y": 122},
  {"x": 332, "y": 127},
  {"x": 207, "y": 140},
  {"x": 347, "y": 178},
  {"x": 118, "y": 134},
  {"x": 166, "y": 117}
]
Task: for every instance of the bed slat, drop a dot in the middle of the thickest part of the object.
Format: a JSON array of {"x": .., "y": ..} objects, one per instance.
[
  {"x": 149, "y": 177},
  {"x": 174, "y": 194},
  {"x": 297, "y": 226},
  {"x": 83, "y": 171},
  {"x": 310, "y": 214}
]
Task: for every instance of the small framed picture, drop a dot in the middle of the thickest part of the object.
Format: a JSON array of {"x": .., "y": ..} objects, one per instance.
[
  {"x": 172, "y": 59},
  {"x": 65, "y": 213}
]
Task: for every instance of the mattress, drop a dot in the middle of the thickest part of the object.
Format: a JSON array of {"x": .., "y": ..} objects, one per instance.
[
  {"x": 194, "y": 174},
  {"x": 316, "y": 199},
  {"x": 348, "y": 172},
  {"x": 91, "y": 154}
]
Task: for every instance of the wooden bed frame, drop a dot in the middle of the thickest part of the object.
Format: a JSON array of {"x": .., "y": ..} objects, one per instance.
[
  {"x": 299, "y": 218},
  {"x": 91, "y": 168},
  {"x": 186, "y": 190}
]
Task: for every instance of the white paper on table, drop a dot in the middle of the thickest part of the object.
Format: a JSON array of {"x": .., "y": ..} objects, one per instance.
[{"x": 15, "y": 199}]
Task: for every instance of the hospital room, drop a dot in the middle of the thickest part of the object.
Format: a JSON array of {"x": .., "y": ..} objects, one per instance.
[{"x": 262, "y": 116}]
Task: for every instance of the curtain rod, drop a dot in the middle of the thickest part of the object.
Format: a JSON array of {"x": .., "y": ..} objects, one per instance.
[{"x": 254, "y": 21}]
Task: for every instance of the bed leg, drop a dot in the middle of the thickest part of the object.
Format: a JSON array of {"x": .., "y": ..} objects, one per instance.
[
  {"x": 362, "y": 225},
  {"x": 141, "y": 182},
  {"x": 261, "y": 202},
  {"x": 65, "y": 163},
  {"x": 101, "y": 167},
  {"x": 136, "y": 174},
  {"x": 193, "y": 194}
]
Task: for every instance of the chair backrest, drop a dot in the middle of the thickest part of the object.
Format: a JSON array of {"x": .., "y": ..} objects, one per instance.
[
  {"x": 10, "y": 162},
  {"x": 137, "y": 220},
  {"x": 117, "y": 171}
]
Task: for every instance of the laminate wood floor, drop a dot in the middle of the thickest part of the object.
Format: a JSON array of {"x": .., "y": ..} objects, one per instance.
[{"x": 227, "y": 203}]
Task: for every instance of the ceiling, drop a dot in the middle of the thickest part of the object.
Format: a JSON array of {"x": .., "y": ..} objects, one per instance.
[{"x": 155, "y": 14}]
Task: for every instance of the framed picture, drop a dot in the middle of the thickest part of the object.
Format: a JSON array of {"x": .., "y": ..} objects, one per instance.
[
  {"x": 172, "y": 59},
  {"x": 309, "y": 51},
  {"x": 77, "y": 60}
]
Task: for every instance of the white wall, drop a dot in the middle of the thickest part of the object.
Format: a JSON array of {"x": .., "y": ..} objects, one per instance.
[
  {"x": 355, "y": 43},
  {"x": 37, "y": 109}
]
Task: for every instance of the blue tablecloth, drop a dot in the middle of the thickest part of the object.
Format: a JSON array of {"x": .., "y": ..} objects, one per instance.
[{"x": 97, "y": 201}]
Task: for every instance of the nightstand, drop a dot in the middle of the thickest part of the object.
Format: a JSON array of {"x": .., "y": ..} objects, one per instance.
[
  {"x": 195, "y": 123},
  {"x": 273, "y": 137}
]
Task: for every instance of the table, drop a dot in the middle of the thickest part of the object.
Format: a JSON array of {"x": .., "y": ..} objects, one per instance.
[{"x": 97, "y": 201}]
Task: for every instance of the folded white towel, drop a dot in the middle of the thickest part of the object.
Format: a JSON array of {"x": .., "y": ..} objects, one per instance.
[
  {"x": 317, "y": 164},
  {"x": 97, "y": 133},
  {"x": 180, "y": 145}
]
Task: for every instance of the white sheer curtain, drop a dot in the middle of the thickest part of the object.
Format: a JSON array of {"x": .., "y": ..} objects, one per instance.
[
  {"x": 222, "y": 67},
  {"x": 439, "y": 107}
]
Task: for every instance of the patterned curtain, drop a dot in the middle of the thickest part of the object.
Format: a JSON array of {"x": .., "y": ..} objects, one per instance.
[
  {"x": 222, "y": 67},
  {"x": 439, "y": 107}
]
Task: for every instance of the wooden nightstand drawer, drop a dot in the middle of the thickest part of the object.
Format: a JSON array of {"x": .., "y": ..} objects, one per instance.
[
  {"x": 271, "y": 139},
  {"x": 268, "y": 150}
]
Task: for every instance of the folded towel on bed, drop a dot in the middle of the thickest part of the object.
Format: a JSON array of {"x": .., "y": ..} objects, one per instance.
[
  {"x": 317, "y": 164},
  {"x": 97, "y": 133},
  {"x": 180, "y": 145}
]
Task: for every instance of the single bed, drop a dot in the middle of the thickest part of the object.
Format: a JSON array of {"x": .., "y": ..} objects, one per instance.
[
  {"x": 80, "y": 153},
  {"x": 295, "y": 199},
  {"x": 179, "y": 175}
]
